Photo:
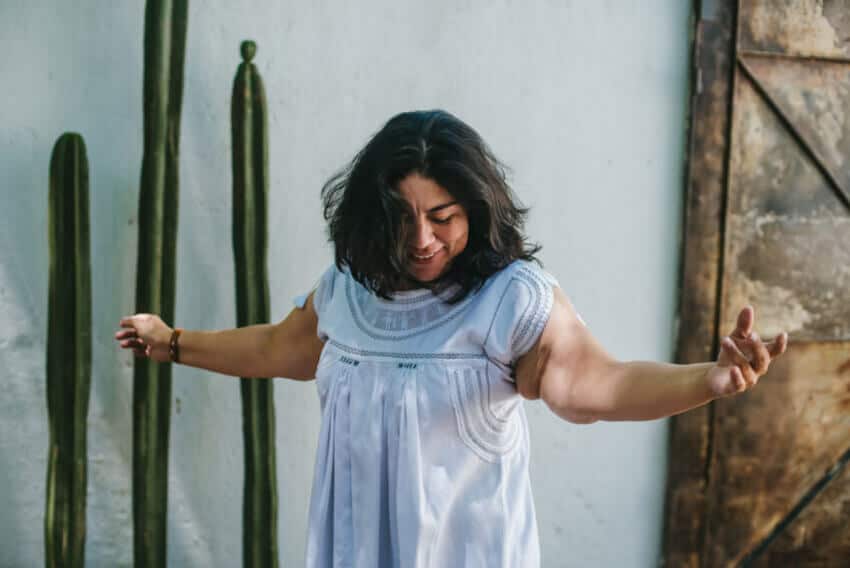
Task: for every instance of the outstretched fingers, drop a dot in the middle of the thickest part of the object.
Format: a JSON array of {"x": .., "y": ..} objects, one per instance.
[{"x": 745, "y": 356}]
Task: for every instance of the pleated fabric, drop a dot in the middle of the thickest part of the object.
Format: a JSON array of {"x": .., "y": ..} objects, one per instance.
[{"x": 423, "y": 449}]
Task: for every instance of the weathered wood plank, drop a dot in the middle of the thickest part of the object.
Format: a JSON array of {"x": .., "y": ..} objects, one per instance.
[
  {"x": 689, "y": 433},
  {"x": 747, "y": 474},
  {"x": 787, "y": 249},
  {"x": 774, "y": 444},
  {"x": 796, "y": 27},
  {"x": 820, "y": 536}
]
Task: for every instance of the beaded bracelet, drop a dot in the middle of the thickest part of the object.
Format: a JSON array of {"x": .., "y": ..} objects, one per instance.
[{"x": 173, "y": 348}]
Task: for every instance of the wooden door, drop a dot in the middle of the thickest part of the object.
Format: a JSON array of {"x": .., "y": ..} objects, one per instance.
[{"x": 762, "y": 479}]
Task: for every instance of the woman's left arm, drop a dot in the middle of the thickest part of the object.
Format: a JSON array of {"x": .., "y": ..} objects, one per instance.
[{"x": 582, "y": 383}]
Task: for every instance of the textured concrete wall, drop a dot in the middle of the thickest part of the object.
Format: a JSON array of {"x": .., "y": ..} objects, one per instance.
[{"x": 584, "y": 100}]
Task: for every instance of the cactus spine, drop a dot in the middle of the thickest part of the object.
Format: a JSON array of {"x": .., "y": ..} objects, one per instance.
[
  {"x": 250, "y": 190},
  {"x": 165, "y": 39},
  {"x": 68, "y": 352}
]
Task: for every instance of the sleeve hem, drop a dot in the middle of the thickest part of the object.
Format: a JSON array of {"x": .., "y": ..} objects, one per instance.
[
  {"x": 536, "y": 316},
  {"x": 301, "y": 300}
]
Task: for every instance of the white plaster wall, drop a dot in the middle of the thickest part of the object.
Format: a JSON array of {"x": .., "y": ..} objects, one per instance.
[{"x": 584, "y": 100}]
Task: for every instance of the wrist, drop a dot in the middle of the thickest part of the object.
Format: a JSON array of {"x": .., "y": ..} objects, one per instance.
[
  {"x": 708, "y": 389},
  {"x": 174, "y": 345}
]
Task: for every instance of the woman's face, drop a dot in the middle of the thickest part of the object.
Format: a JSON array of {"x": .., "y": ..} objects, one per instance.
[{"x": 440, "y": 227}]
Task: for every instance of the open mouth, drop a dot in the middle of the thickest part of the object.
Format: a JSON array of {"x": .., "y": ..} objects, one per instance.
[{"x": 424, "y": 259}]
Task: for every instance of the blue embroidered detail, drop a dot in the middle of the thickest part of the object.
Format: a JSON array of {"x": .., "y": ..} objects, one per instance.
[
  {"x": 520, "y": 330},
  {"x": 531, "y": 322},
  {"x": 427, "y": 356},
  {"x": 420, "y": 297},
  {"x": 412, "y": 316},
  {"x": 536, "y": 317},
  {"x": 489, "y": 436},
  {"x": 382, "y": 322}
]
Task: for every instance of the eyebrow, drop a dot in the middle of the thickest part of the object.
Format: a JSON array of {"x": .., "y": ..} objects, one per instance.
[{"x": 443, "y": 206}]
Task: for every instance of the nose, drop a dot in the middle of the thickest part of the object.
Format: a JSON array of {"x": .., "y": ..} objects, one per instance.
[{"x": 423, "y": 235}]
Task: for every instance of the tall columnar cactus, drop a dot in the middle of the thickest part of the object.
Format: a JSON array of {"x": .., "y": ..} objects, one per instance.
[
  {"x": 250, "y": 189},
  {"x": 165, "y": 41},
  {"x": 68, "y": 352}
]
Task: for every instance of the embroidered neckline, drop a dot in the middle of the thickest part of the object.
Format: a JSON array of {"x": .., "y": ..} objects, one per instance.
[
  {"x": 410, "y": 293},
  {"x": 411, "y": 312},
  {"x": 406, "y": 297}
]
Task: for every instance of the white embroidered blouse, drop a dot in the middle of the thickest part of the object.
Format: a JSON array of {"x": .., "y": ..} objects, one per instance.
[{"x": 423, "y": 452}]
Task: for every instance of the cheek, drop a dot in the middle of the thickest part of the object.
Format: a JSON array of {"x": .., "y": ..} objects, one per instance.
[{"x": 458, "y": 235}]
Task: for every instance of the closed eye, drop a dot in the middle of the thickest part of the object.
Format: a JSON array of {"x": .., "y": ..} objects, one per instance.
[{"x": 444, "y": 221}]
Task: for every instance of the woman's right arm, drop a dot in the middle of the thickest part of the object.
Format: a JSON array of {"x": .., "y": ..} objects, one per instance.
[
  {"x": 293, "y": 346},
  {"x": 288, "y": 349}
]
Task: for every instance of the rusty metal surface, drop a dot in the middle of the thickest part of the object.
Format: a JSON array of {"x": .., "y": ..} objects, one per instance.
[
  {"x": 811, "y": 28},
  {"x": 788, "y": 245},
  {"x": 773, "y": 444},
  {"x": 690, "y": 432}
]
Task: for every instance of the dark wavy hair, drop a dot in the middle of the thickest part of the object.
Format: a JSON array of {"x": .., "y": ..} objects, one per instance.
[{"x": 368, "y": 217}]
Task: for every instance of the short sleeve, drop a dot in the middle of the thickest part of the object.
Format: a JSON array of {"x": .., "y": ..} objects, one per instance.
[
  {"x": 323, "y": 289},
  {"x": 521, "y": 314}
]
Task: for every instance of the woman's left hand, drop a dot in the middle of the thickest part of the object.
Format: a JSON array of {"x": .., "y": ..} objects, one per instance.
[{"x": 743, "y": 358}]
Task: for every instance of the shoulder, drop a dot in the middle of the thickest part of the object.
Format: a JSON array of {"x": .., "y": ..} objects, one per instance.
[
  {"x": 529, "y": 271},
  {"x": 331, "y": 282},
  {"x": 323, "y": 288},
  {"x": 521, "y": 272},
  {"x": 528, "y": 288},
  {"x": 525, "y": 298}
]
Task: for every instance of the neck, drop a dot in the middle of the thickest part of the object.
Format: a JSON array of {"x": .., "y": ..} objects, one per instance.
[{"x": 408, "y": 285}]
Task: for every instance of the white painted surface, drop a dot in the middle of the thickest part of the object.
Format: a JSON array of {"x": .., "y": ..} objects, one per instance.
[{"x": 585, "y": 101}]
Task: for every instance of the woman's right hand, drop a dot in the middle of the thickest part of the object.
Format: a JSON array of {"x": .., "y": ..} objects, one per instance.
[{"x": 147, "y": 335}]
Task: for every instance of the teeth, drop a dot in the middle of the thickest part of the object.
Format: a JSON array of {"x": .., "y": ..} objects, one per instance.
[{"x": 424, "y": 257}]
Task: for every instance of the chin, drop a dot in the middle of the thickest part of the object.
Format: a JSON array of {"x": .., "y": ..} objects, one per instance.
[
  {"x": 428, "y": 275},
  {"x": 424, "y": 278}
]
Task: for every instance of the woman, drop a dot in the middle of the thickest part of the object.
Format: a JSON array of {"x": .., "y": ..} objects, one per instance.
[{"x": 423, "y": 337}]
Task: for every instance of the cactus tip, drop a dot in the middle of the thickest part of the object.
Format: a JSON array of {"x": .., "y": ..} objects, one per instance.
[
  {"x": 248, "y": 48},
  {"x": 69, "y": 137}
]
